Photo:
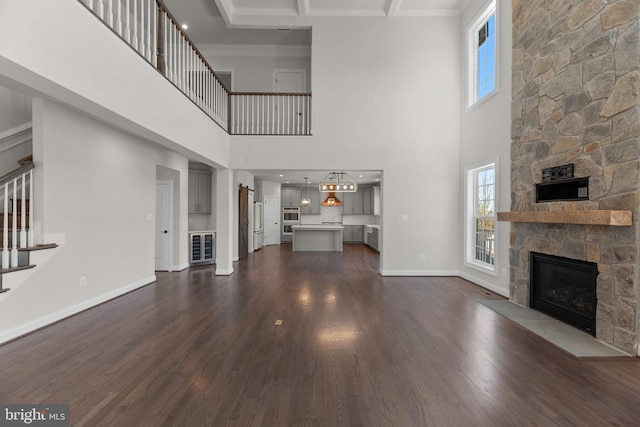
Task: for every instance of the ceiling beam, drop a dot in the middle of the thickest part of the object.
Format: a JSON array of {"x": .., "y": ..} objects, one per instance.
[
  {"x": 391, "y": 8},
  {"x": 302, "y": 6}
]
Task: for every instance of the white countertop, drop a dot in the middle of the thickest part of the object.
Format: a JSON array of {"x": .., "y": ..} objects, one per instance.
[
  {"x": 373, "y": 226},
  {"x": 317, "y": 227},
  {"x": 199, "y": 232}
]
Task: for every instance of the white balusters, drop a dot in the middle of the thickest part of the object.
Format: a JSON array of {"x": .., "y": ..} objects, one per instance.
[
  {"x": 31, "y": 238},
  {"x": 23, "y": 212},
  {"x": 5, "y": 228},
  {"x": 15, "y": 217},
  {"x": 14, "y": 224}
]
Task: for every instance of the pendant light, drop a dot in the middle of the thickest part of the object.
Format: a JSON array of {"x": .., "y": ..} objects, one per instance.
[
  {"x": 306, "y": 201},
  {"x": 341, "y": 184}
]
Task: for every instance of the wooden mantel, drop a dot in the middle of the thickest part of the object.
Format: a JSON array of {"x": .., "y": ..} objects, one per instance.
[{"x": 593, "y": 217}]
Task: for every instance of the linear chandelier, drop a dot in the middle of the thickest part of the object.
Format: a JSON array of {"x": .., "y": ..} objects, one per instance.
[{"x": 336, "y": 182}]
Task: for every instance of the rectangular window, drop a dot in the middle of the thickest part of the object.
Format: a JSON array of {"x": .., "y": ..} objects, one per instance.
[
  {"x": 481, "y": 216},
  {"x": 482, "y": 55}
]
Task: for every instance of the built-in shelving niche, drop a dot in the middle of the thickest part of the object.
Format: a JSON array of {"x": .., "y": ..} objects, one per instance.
[{"x": 563, "y": 190}]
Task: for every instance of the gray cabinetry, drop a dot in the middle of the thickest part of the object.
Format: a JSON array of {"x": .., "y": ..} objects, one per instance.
[
  {"x": 367, "y": 205},
  {"x": 360, "y": 202},
  {"x": 290, "y": 197},
  {"x": 314, "y": 196},
  {"x": 199, "y": 192},
  {"x": 372, "y": 237},
  {"x": 352, "y": 234}
]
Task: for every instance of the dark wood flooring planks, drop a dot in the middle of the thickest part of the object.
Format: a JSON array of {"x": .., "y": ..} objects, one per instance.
[{"x": 354, "y": 349}]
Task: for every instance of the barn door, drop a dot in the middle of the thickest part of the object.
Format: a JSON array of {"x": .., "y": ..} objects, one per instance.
[{"x": 243, "y": 226}]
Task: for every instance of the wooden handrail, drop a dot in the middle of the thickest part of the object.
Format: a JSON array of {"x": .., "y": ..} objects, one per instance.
[
  {"x": 16, "y": 173},
  {"x": 188, "y": 39}
]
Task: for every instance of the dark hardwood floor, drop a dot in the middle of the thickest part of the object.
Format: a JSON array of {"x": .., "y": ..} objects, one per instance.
[{"x": 354, "y": 348}]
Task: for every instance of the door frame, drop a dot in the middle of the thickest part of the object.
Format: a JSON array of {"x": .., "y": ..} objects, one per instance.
[
  {"x": 303, "y": 71},
  {"x": 169, "y": 210}
]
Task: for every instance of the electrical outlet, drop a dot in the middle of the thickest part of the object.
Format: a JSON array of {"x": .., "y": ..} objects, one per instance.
[
  {"x": 83, "y": 281},
  {"x": 422, "y": 257},
  {"x": 504, "y": 272},
  {"x": 405, "y": 217}
]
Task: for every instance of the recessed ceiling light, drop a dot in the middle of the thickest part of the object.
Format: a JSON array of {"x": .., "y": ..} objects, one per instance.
[
  {"x": 281, "y": 175},
  {"x": 185, "y": 27}
]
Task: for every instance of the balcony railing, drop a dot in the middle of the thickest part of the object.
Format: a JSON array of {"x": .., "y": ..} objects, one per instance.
[
  {"x": 148, "y": 27},
  {"x": 270, "y": 114}
]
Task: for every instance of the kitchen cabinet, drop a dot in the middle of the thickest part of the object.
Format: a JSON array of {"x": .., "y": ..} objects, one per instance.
[
  {"x": 202, "y": 247},
  {"x": 372, "y": 237},
  {"x": 290, "y": 197},
  {"x": 375, "y": 200},
  {"x": 367, "y": 204},
  {"x": 352, "y": 234},
  {"x": 199, "y": 192},
  {"x": 316, "y": 202},
  {"x": 347, "y": 202}
]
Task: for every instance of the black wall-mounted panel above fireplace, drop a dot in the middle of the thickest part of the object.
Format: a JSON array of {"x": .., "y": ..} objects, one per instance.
[
  {"x": 563, "y": 190},
  {"x": 564, "y": 288}
]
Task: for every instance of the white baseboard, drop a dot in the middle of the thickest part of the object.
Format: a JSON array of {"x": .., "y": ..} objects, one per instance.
[
  {"x": 418, "y": 273},
  {"x": 220, "y": 272},
  {"x": 431, "y": 273},
  {"x": 181, "y": 267},
  {"x": 41, "y": 322},
  {"x": 488, "y": 285}
]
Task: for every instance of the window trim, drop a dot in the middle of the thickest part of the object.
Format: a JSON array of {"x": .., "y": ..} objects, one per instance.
[
  {"x": 470, "y": 173},
  {"x": 472, "y": 55}
]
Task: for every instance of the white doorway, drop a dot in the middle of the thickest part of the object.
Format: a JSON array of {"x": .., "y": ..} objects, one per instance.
[
  {"x": 289, "y": 80},
  {"x": 271, "y": 221},
  {"x": 164, "y": 225}
]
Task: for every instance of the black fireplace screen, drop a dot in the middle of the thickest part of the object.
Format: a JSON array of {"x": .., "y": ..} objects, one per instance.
[{"x": 564, "y": 288}]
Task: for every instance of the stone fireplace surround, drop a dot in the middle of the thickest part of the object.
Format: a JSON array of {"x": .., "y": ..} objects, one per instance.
[{"x": 575, "y": 99}]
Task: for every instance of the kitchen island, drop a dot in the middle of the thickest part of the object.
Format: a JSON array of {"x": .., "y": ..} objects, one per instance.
[{"x": 324, "y": 238}]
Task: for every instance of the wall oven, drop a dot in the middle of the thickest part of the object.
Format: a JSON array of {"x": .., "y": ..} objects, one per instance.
[{"x": 290, "y": 217}]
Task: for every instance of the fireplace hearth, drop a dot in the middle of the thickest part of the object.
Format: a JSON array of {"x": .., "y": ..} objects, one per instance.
[{"x": 564, "y": 288}]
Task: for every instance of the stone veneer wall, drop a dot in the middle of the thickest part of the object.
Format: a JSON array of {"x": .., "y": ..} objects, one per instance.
[{"x": 576, "y": 77}]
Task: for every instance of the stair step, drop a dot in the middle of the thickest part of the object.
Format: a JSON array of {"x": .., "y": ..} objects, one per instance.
[
  {"x": 23, "y": 258},
  {"x": 14, "y": 269}
]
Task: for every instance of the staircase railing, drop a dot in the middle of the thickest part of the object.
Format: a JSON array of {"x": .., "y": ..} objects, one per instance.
[
  {"x": 152, "y": 31},
  {"x": 262, "y": 113},
  {"x": 16, "y": 191}
]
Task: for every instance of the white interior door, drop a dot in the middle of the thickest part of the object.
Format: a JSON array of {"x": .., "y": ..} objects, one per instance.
[
  {"x": 290, "y": 110},
  {"x": 289, "y": 81},
  {"x": 271, "y": 221},
  {"x": 163, "y": 225}
]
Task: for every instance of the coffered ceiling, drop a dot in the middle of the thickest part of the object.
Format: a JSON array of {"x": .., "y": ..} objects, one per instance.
[{"x": 286, "y": 22}]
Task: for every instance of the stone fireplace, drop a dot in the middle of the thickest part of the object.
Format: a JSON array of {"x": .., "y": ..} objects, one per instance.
[{"x": 575, "y": 88}]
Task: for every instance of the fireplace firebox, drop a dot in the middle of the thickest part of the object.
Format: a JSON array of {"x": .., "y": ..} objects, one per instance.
[{"x": 564, "y": 288}]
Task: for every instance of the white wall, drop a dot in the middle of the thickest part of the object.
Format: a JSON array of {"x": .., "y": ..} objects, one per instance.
[
  {"x": 386, "y": 96},
  {"x": 252, "y": 71},
  {"x": 485, "y": 135},
  {"x": 95, "y": 197},
  {"x": 82, "y": 63},
  {"x": 15, "y": 109}
]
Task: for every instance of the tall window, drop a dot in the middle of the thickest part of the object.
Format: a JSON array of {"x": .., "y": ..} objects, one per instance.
[
  {"x": 482, "y": 59},
  {"x": 481, "y": 216}
]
